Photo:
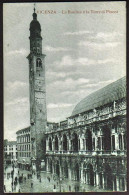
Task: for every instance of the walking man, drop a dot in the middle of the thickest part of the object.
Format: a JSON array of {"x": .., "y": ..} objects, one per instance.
[{"x": 31, "y": 185}]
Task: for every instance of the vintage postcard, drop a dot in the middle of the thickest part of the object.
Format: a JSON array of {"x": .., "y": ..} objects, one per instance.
[{"x": 65, "y": 97}]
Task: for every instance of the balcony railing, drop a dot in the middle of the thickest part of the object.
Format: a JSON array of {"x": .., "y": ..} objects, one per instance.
[
  {"x": 91, "y": 120},
  {"x": 83, "y": 152}
]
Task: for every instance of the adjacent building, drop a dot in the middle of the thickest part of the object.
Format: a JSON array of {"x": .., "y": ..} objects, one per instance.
[
  {"x": 10, "y": 151},
  {"x": 24, "y": 148},
  {"x": 90, "y": 146}
]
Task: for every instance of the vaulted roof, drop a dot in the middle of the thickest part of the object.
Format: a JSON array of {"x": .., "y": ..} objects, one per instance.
[{"x": 110, "y": 93}]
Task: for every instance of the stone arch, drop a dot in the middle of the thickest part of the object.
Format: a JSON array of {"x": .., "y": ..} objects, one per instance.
[
  {"x": 28, "y": 138},
  {"x": 65, "y": 142},
  {"x": 65, "y": 169},
  {"x": 85, "y": 172},
  {"x": 76, "y": 172},
  {"x": 124, "y": 126},
  {"x": 120, "y": 141},
  {"x": 50, "y": 165},
  {"x": 57, "y": 168},
  {"x": 106, "y": 139},
  {"x": 88, "y": 140},
  {"x": 90, "y": 174},
  {"x": 50, "y": 144},
  {"x": 125, "y": 140},
  {"x": 108, "y": 176},
  {"x": 56, "y": 143},
  {"x": 75, "y": 142}
]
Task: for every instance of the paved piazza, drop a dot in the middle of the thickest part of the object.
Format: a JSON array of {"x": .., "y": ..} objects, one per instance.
[{"x": 44, "y": 185}]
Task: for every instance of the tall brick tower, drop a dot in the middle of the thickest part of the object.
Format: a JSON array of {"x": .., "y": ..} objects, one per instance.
[{"x": 38, "y": 115}]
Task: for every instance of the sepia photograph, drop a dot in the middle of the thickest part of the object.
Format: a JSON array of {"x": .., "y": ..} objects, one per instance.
[{"x": 64, "y": 97}]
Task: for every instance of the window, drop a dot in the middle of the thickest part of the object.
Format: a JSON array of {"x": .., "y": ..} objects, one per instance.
[
  {"x": 34, "y": 49},
  {"x": 113, "y": 142},
  {"x": 120, "y": 141},
  {"x": 93, "y": 142},
  {"x": 125, "y": 144},
  {"x": 83, "y": 144},
  {"x": 38, "y": 50},
  {"x": 99, "y": 143},
  {"x": 103, "y": 142},
  {"x": 39, "y": 63}
]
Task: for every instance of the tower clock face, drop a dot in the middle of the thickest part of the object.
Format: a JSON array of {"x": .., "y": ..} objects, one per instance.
[
  {"x": 39, "y": 94},
  {"x": 39, "y": 100},
  {"x": 38, "y": 83}
]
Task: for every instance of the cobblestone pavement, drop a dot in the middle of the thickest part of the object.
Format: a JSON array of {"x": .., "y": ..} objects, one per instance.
[{"x": 44, "y": 185}]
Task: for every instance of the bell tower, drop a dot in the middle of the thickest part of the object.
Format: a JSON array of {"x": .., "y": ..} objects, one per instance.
[{"x": 38, "y": 115}]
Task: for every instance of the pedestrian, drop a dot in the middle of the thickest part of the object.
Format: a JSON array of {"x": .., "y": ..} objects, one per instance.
[
  {"x": 20, "y": 179},
  {"x": 4, "y": 188},
  {"x": 19, "y": 190},
  {"x": 25, "y": 178},
  {"x": 48, "y": 178},
  {"x": 31, "y": 184},
  {"x": 12, "y": 174},
  {"x": 7, "y": 175},
  {"x": 16, "y": 179},
  {"x": 40, "y": 179},
  {"x": 70, "y": 188},
  {"x": 12, "y": 183}
]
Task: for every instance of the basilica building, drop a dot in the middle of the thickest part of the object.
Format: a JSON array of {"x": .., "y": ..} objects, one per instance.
[{"x": 90, "y": 145}]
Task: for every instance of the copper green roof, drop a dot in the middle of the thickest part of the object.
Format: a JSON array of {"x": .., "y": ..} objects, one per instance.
[{"x": 110, "y": 93}]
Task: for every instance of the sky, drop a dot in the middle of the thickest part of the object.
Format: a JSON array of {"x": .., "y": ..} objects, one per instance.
[{"x": 85, "y": 51}]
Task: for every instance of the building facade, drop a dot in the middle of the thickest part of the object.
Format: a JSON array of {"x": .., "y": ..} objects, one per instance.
[
  {"x": 90, "y": 146},
  {"x": 24, "y": 148},
  {"x": 10, "y": 152}
]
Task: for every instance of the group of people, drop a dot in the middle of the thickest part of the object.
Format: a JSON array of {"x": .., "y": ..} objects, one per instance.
[
  {"x": 18, "y": 178},
  {"x": 15, "y": 180}
]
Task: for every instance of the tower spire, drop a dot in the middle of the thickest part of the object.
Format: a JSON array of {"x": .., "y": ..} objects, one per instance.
[
  {"x": 34, "y": 14},
  {"x": 34, "y": 8}
]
